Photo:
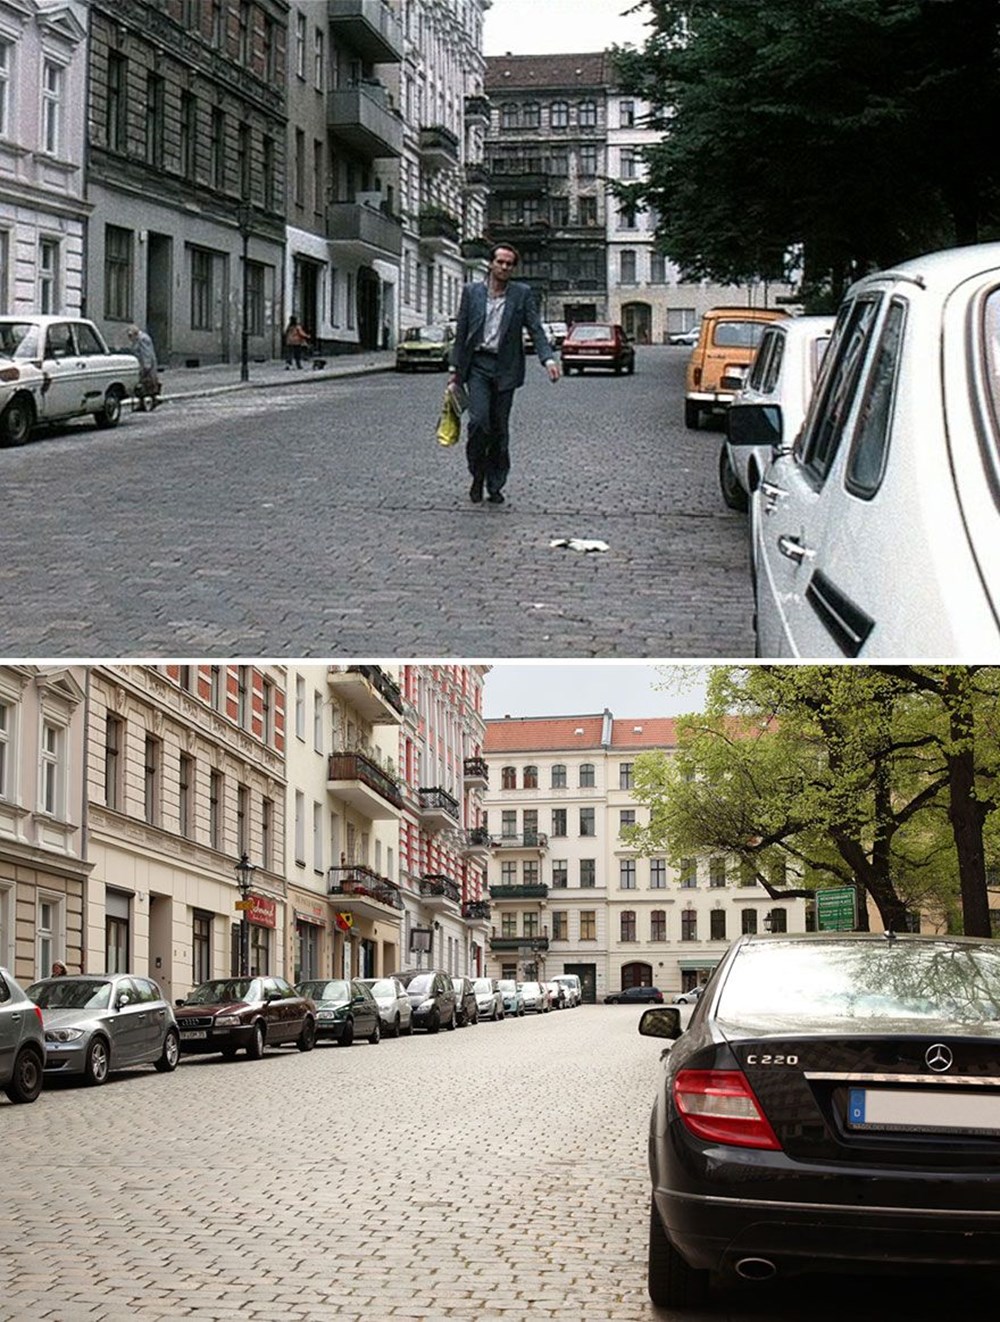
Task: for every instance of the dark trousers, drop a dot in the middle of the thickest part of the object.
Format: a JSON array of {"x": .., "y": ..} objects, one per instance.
[{"x": 487, "y": 446}]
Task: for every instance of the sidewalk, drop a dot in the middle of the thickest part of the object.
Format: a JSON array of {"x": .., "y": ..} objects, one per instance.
[{"x": 218, "y": 378}]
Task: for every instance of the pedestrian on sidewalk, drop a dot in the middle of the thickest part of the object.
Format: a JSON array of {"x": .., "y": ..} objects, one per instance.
[
  {"x": 487, "y": 361},
  {"x": 141, "y": 343},
  {"x": 295, "y": 339}
]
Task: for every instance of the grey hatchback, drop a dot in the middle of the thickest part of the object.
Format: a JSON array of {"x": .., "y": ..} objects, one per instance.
[
  {"x": 98, "y": 1023},
  {"x": 22, "y": 1042}
]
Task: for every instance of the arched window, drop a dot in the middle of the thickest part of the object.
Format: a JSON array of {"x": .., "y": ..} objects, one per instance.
[
  {"x": 508, "y": 117},
  {"x": 529, "y": 779},
  {"x": 637, "y": 974},
  {"x": 559, "y": 114},
  {"x": 588, "y": 114},
  {"x": 532, "y": 115},
  {"x": 508, "y": 778},
  {"x": 559, "y": 776},
  {"x": 587, "y": 775}
]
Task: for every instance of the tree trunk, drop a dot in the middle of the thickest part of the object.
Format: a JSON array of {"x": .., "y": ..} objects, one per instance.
[{"x": 965, "y": 811}]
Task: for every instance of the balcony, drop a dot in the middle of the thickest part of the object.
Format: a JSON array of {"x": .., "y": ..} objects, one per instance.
[
  {"x": 364, "y": 231},
  {"x": 519, "y": 943},
  {"x": 438, "y": 147},
  {"x": 476, "y": 773},
  {"x": 476, "y": 843},
  {"x": 476, "y": 250},
  {"x": 477, "y": 110},
  {"x": 438, "y": 230},
  {"x": 370, "y": 691},
  {"x": 531, "y": 891},
  {"x": 437, "y": 809},
  {"x": 359, "y": 781},
  {"x": 368, "y": 27},
  {"x": 534, "y": 182},
  {"x": 362, "y": 118},
  {"x": 359, "y": 890},
  {"x": 536, "y": 840},
  {"x": 440, "y": 893},
  {"x": 477, "y": 911}
]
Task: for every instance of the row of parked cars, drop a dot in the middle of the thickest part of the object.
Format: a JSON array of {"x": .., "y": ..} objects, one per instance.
[
  {"x": 866, "y": 449},
  {"x": 583, "y": 346},
  {"x": 90, "y": 1025}
]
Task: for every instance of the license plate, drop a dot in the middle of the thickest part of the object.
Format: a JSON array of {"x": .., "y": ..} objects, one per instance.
[
  {"x": 189, "y": 1033},
  {"x": 923, "y": 1110}
]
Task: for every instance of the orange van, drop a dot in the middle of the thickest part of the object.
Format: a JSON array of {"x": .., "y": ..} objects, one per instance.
[{"x": 721, "y": 358}]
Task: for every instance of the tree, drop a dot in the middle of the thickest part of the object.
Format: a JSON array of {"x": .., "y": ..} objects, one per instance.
[{"x": 836, "y": 133}]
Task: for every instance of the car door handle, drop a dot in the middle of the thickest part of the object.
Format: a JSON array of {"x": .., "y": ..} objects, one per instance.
[
  {"x": 770, "y": 492},
  {"x": 794, "y": 550}
]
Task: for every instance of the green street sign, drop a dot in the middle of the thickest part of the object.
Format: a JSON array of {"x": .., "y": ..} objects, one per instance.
[{"x": 835, "y": 910}]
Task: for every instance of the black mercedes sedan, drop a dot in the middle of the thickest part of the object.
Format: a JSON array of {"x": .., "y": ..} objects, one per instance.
[{"x": 833, "y": 1105}]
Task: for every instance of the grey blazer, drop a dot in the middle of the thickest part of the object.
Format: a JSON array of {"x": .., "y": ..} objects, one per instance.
[{"x": 520, "y": 312}]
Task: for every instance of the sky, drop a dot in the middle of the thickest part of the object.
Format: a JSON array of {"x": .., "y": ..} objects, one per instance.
[
  {"x": 585, "y": 688},
  {"x": 546, "y": 27}
]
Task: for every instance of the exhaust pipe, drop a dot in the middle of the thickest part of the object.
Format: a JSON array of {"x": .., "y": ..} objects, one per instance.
[{"x": 756, "y": 1269}]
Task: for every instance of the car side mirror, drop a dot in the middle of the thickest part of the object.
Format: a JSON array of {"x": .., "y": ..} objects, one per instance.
[
  {"x": 754, "y": 424},
  {"x": 179, "y": 1001},
  {"x": 660, "y": 1021},
  {"x": 122, "y": 1001}
]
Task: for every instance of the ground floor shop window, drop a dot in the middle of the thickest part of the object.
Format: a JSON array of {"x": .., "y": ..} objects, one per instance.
[
  {"x": 306, "y": 951},
  {"x": 260, "y": 951}
]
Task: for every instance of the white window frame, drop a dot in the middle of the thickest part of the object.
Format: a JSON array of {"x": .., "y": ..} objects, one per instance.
[
  {"x": 53, "y": 768},
  {"x": 300, "y": 707},
  {"x": 6, "y": 85},
  {"x": 49, "y": 253},
  {"x": 318, "y": 817},
  {"x": 9, "y": 726},
  {"x": 49, "y": 936},
  {"x": 52, "y": 93},
  {"x": 7, "y": 925}
]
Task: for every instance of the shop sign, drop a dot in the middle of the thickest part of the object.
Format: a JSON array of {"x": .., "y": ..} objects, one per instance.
[{"x": 263, "y": 912}]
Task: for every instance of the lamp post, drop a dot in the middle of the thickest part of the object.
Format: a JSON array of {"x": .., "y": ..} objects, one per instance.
[
  {"x": 244, "y": 221},
  {"x": 244, "y": 881}
]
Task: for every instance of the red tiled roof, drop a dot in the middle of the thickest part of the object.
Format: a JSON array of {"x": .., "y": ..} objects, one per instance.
[
  {"x": 654, "y": 732},
  {"x": 538, "y": 734},
  {"x": 548, "y": 72}
]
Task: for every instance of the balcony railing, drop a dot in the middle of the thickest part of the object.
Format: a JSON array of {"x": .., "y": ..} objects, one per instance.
[
  {"x": 358, "y": 880},
  {"x": 520, "y": 181},
  {"x": 438, "y": 225},
  {"x": 438, "y": 145},
  {"x": 347, "y": 766},
  {"x": 530, "y": 891},
  {"x": 370, "y": 690},
  {"x": 369, "y": 26},
  {"x": 370, "y": 228},
  {"x": 476, "y": 249},
  {"x": 476, "y": 911},
  {"x": 477, "y": 108},
  {"x": 477, "y": 176},
  {"x": 476, "y": 769},
  {"x": 435, "y": 801},
  {"x": 519, "y": 942},
  {"x": 362, "y": 117},
  {"x": 434, "y": 885},
  {"x": 528, "y": 840}
]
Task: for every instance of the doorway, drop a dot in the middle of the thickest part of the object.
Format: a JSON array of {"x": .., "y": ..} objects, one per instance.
[{"x": 159, "y": 282}]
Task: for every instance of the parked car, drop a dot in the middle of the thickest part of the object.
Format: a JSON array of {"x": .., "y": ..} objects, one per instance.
[
  {"x": 687, "y": 337},
  {"x": 833, "y": 1106},
  {"x": 877, "y": 534},
  {"x": 394, "y": 1008},
  {"x": 597, "y": 344},
  {"x": 513, "y": 1001},
  {"x": 783, "y": 373},
  {"x": 22, "y": 1042},
  {"x": 727, "y": 340},
  {"x": 424, "y": 346},
  {"x": 690, "y": 996},
  {"x": 432, "y": 997},
  {"x": 345, "y": 1009},
  {"x": 635, "y": 996},
  {"x": 489, "y": 998},
  {"x": 21, "y": 386},
  {"x": 466, "y": 1004},
  {"x": 95, "y": 1025},
  {"x": 556, "y": 332},
  {"x": 558, "y": 995},
  {"x": 534, "y": 997},
  {"x": 81, "y": 374},
  {"x": 226, "y": 1014},
  {"x": 573, "y": 986}
]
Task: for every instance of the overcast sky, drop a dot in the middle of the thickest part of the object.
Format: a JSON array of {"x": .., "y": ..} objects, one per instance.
[
  {"x": 545, "y": 27},
  {"x": 585, "y": 688}
]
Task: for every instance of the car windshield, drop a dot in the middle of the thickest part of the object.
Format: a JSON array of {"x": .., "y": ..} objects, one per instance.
[
  {"x": 483, "y": 986},
  {"x": 427, "y": 335},
  {"x": 506, "y": 986},
  {"x": 382, "y": 987},
  {"x": 738, "y": 334},
  {"x": 420, "y": 985},
  {"x": 222, "y": 991},
  {"x": 80, "y": 994},
  {"x": 326, "y": 989},
  {"x": 862, "y": 981},
  {"x": 583, "y": 333}
]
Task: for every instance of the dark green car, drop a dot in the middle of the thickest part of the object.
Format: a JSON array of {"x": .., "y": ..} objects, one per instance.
[{"x": 345, "y": 1009}]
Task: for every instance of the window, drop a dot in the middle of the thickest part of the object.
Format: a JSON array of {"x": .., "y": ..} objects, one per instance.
[
  {"x": 530, "y": 778},
  {"x": 260, "y": 950},
  {"x": 217, "y": 690},
  {"x": 626, "y": 874},
  {"x": 625, "y": 775},
  {"x": 626, "y": 114},
  {"x": 508, "y": 778},
  {"x": 627, "y": 266},
  {"x": 626, "y": 817},
  {"x": 508, "y": 873},
  {"x": 689, "y": 925},
  {"x": 244, "y": 684},
  {"x": 317, "y": 721},
  {"x": 189, "y": 135},
  {"x": 117, "y": 273},
  {"x": 215, "y": 809},
  {"x": 588, "y": 210},
  {"x": 114, "y": 747},
  {"x": 749, "y": 924},
  {"x": 155, "y": 119},
  {"x": 116, "y": 106},
  {"x": 560, "y": 873},
  {"x": 717, "y": 924},
  {"x": 266, "y": 832},
  {"x": 559, "y": 115},
  {"x": 560, "y": 925},
  {"x": 587, "y": 115},
  {"x": 300, "y": 831},
  {"x": 508, "y": 117},
  {"x": 559, "y": 776},
  {"x": 52, "y": 93},
  {"x": 508, "y": 924},
  {"x": 531, "y": 115},
  {"x": 657, "y": 268},
  {"x": 244, "y": 157},
  {"x": 559, "y": 163},
  {"x": 48, "y": 932},
  {"x": 255, "y": 298},
  {"x": 587, "y": 162},
  {"x": 530, "y": 825},
  {"x": 242, "y": 820},
  {"x": 319, "y": 61},
  {"x": 217, "y": 149},
  {"x": 658, "y": 874},
  {"x": 558, "y": 214},
  {"x": 626, "y": 217},
  {"x": 558, "y": 821},
  {"x": 529, "y": 924},
  {"x": 626, "y": 163},
  {"x": 300, "y": 707},
  {"x": 52, "y": 770},
  {"x": 587, "y": 775},
  {"x": 202, "y": 290},
  {"x": 588, "y": 925},
  {"x": 151, "y": 779},
  {"x": 689, "y": 872},
  {"x": 318, "y": 837},
  {"x": 300, "y": 45},
  {"x": 628, "y": 925},
  {"x": 866, "y": 460},
  {"x": 529, "y": 872},
  {"x": 267, "y": 712},
  {"x": 588, "y": 873},
  {"x": 508, "y": 824},
  {"x": 853, "y": 332},
  {"x": 5, "y": 110},
  {"x": 48, "y": 275},
  {"x": 201, "y": 947},
  {"x": 185, "y": 794},
  {"x": 748, "y": 873},
  {"x": 778, "y": 920},
  {"x": 587, "y": 821},
  {"x": 717, "y": 872},
  {"x": 658, "y": 925},
  {"x": 4, "y": 268}
]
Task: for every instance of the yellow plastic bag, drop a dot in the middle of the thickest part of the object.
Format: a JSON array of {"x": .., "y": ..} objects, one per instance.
[{"x": 450, "y": 424}]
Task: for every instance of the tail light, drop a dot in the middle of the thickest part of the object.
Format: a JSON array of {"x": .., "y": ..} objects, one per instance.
[
  {"x": 38, "y": 1012},
  {"x": 10, "y": 374},
  {"x": 719, "y": 1105}
]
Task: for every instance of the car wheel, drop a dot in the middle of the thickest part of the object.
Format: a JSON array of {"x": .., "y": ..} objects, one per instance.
[
  {"x": 692, "y": 415},
  {"x": 434, "y": 1025},
  {"x": 97, "y": 1062},
  {"x": 618, "y": 369},
  {"x": 732, "y": 493},
  {"x": 17, "y": 421},
  {"x": 670, "y": 1281},
  {"x": 452, "y": 1023},
  {"x": 170, "y": 1054},
  {"x": 255, "y": 1047},
  {"x": 520, "y": 1011},
  {"x": 347, "y": 1033},
  {"x": 307, "y": 1038},
  {"x": 111, "y": 410},
  {"x": 26, "y": 1080},
  {"x": 396, "y": 1027},
  {"x": 376, "y": 1036},
  {"x": 631, "y": 367}
]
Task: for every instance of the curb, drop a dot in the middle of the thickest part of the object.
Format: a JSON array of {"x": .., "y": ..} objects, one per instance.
[{"x": 327, "y": 374}]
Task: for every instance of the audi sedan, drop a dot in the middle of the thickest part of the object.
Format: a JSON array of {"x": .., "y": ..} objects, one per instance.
[
  {"x": 834, "y": 1105},
  {"x": 226, "y": 1015}
]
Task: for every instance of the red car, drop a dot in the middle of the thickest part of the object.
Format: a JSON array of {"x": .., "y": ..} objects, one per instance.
[{"x": 597, "y": 344}]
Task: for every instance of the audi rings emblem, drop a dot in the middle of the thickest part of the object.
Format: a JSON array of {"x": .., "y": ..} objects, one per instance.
[{"x": 939, "y": 1058}]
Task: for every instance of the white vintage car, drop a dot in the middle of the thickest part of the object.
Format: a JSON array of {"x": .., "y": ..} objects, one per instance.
[{"x": 55, "y": 368}]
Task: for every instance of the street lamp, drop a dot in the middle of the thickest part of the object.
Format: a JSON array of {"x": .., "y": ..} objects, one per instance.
[
  {"x": 244, "y": 221},
  {"x": 244, "y": 881}
]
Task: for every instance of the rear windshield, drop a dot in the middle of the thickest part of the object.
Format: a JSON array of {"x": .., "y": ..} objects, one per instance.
[
  {"x": 738, "y": 334},
  {"x": 579, "y": 333}
]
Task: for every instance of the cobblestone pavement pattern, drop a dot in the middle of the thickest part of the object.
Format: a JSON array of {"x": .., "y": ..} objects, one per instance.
[
  {"x": 494, "y": 1174},
  {"x": 316, "y": 515}
]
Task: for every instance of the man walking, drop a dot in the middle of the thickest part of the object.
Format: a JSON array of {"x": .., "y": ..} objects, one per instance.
[{"x": 487, "y": 360}]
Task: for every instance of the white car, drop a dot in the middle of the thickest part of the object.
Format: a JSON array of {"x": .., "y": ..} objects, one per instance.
[
  {"x": 688, "y": 337},
  {"x": 489, "y": 998},
  {"x": 80, "y": 374},
  {"x": 394, "y": 1009},
  {"x": 535, "y": 997},
  {"x": 878, "y": 533},
  {"x": 783, "y": 374},
  {"x": 691, "y": 996}
]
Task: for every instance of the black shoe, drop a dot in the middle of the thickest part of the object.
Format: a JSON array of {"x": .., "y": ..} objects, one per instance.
[
  {"x": 495, "y": 498},
  {"x": 476, "y": 490}
]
